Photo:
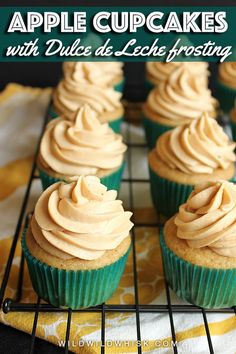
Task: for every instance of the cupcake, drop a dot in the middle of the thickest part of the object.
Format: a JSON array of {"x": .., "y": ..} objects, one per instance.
[
  {"x": 185, "y": 156},
  {"x": 179, "y": 100},
  {"x": 226, "y": 86},
  {"x": 199, "y": 246},
  {"x": 77, "y": 243},
  {"x": 105, "y": 74},
  {"x": 78, "y": 147},
  {"x": 70, "y": 95},
  {"x": 157, "y": 72}
]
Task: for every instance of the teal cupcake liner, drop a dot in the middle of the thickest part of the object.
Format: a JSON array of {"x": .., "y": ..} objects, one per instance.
[
  {"x": 167, "y": 195},
  {"x": 73, "y": 289},
  {"x": 153, "y": 130},
  {"x": 52, "y": 113},
  {"x": 233, "y": 129},
  {"x": 120, "y": 86},
  {"x": 226, "y": 96},
  {"x": 201, "y": 286},
  {"x": 47, "y": 180},
  {"x": 115, "y": 124},
  {"x": 111, "y": 181}
]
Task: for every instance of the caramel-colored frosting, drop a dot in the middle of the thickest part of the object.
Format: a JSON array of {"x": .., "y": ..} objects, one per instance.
[
  {"x": 81, "y": 219},
  {"x": 198, "y": 147},
  {"x": 227, "y": 73},
  {"x": 160, "y": 72},
  {"x": 81, "y": 146},
  {"x": 102, "y": 74},
  {"x": 182, "y": 98},
  {"x": 70, "y": 95},
  {"x": 208, "y": 218}
]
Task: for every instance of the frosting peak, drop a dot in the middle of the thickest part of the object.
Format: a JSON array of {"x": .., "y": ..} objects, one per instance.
[
  {"x": 86, "y": 119},
  {"x": 182, "y": 98},
  {"x": 81, "y": 146},
  {"x": 81, "y": 219},
  {"x": 208, "y": 218},
  {"x": 198, "y": 147},
  {"x": 160, "y": 72},
  {"x": 102, "y": 74},
  {"x": 70, "y": 95}
]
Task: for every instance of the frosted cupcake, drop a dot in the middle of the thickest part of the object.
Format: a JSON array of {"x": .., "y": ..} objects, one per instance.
[
  {"x": 80, "y": 147},
  {"x": 71, "y": 95},
  {"x": 105, "y": 74},
  {"x": 157, "y": 72},
  {"x": 77, "y": 243},
  {"x": 226, "y": 86},
  {"x": 185, "y": 156},
  {"x": 199, "y": 246},
  {"x": 179, "y": 100}
]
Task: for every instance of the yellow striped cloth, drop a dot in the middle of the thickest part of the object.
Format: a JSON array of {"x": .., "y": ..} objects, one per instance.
[{"x": 21, "y": 112}]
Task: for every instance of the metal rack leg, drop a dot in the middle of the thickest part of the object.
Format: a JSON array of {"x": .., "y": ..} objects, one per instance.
[
  {"x": 172, "y": 326},
  {"x": 31, "y": 349},
  {"x": 20, "y": 278},
  {"x": 139, "y": 348},
  {"x": 211, "y": 350},
  {"x": 68, "y": 331},
  {"x": 103, "y": 319}
]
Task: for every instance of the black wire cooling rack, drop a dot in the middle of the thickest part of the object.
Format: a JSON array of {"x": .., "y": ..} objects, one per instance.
[{"x": 14, "y": 305}]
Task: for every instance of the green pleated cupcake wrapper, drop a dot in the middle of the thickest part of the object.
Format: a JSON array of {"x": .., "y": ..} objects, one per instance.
[
  {"x": 201, "y": 286},
  {"x": 114, "y": 124},
  {"x": 73, "y": 288},
  {"x": 120, "y": 86},
  {"x": 167, "y": 195},
  {"x": 111, "y": 181},
  {"x": 226, "y": 96},
  {"x": 153, "y": 130},
  {"x": 51, "y": 112},
  {"x": 233, "y": 128}
]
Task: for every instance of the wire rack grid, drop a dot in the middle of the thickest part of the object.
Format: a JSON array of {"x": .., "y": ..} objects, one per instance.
[{"x": 14, "y": 305}]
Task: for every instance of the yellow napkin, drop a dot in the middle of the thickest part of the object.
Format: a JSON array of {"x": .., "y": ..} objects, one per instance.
[{"x": 21, "y": 112}]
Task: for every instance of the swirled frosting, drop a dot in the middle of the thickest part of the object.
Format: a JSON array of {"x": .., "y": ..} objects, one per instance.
[
  {"x": 82, "y": 146},
  {"x": 198, "y": 147},
  {"x": 182, "y": 97},
  {"x": 160, "y": 72},
  {"x": 102, "y": 74},
  {"x": 227, "y": 73},
  {"x": 70, "y": 95},
  {"x": 81, "y": 219},
  {"x": 208, "y": 218}
]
